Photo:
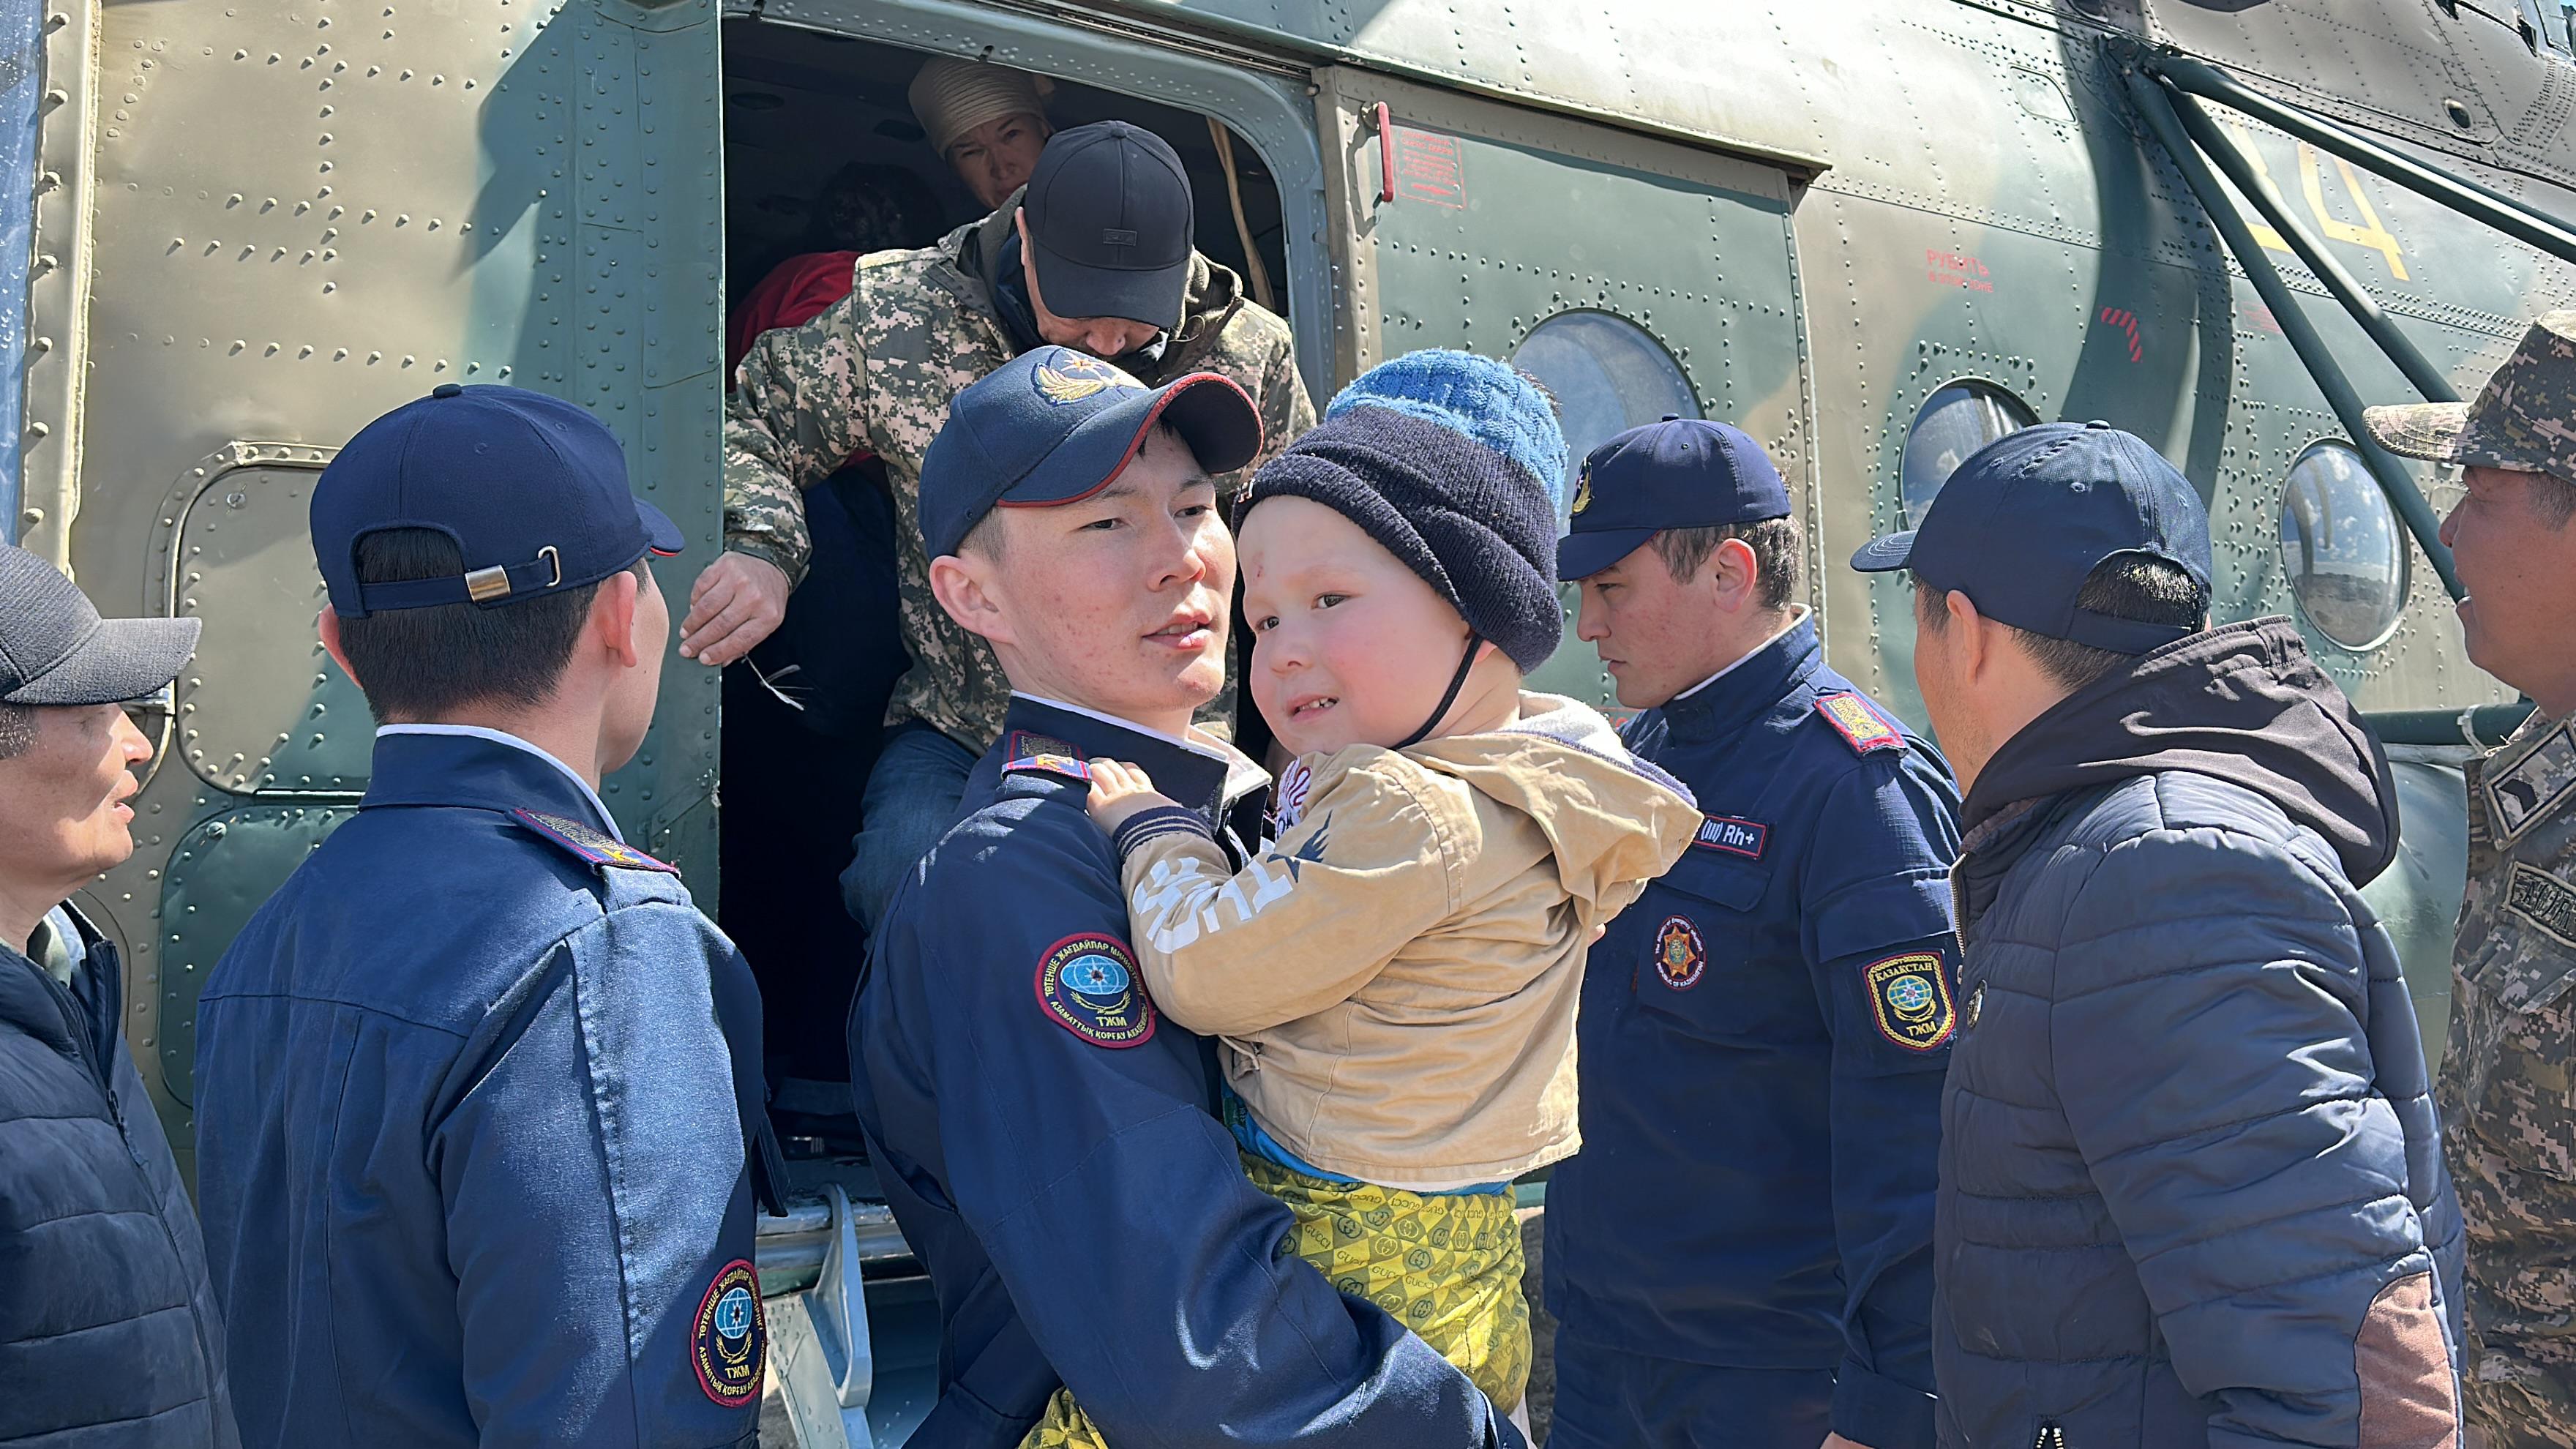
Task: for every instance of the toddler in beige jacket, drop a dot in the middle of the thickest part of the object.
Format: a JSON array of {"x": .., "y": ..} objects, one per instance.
[{"x": 1395, "y": 980}]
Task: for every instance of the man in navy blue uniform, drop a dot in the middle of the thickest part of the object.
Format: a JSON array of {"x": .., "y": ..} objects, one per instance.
[
  {"x": 478, "y": 1090},
  {"x": 1741, "y": 1253},
  {"x": 1047, "y": 1140}
]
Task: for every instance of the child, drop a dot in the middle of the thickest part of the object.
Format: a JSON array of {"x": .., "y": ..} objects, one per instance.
[{"x": 1395, "y": 980}]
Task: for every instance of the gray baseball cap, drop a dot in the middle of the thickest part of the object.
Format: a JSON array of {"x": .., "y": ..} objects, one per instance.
[{"x": 55, "y": 649}]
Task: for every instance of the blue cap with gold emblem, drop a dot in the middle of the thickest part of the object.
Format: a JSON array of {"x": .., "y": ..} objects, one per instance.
[
  {"x": 1056, "y": 426},
  {"x": 1678, "y": 473}
]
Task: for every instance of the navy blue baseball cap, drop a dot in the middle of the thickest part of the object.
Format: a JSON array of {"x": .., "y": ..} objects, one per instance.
[
  {"x": 1056, "y": 426},
  {"x": 532, "y": 488},
  {"x": 2028, "y": 517},
  {"x": 1679, "y": 473}
]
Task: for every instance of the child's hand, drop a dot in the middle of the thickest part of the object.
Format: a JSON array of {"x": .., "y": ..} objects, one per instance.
[{"x": 1120, "y": 791}]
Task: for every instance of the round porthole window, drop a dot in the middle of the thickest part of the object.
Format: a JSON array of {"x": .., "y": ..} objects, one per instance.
[
  {"x": 1608, "y": 376},
  {"x": 2342, "y": 547},
  {"x": 1954, "y": 423}
]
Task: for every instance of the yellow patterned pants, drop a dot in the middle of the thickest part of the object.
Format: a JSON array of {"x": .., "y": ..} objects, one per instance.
[{"x": 1449, "y": 1268}]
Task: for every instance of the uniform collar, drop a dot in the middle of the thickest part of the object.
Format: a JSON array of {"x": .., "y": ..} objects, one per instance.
[
  {"x": 1199, "y": 771},
  {"x": 477, "y": 768},
  {"x": 1731, "y": 698}
]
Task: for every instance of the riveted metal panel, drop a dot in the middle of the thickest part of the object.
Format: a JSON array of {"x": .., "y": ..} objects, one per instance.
[
  {"x": 21, "y": 83},
  {"x": 301, "y": 215},
  {"x": 254, "y": 715},
  {"x": 218, "y": 875},
  {"x": 1504, "y": 218}
]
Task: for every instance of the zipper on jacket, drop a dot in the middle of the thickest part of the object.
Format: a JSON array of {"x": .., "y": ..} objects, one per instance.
[{"x": 2050, "y": 1436}]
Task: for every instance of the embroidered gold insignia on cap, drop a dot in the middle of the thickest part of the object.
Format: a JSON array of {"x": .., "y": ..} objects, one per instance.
[{"x": 1071, "y": 377}]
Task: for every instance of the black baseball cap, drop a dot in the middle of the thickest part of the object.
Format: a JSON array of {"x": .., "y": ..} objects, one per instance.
[
  {"x": 1056, "y": 426},
  {"x": 1111, "y": 219},
  {"x": 2023, "y": 522},
  {"x": 55, "y": 649},
  {"x": 1678, "y": 473},
  {"x": 532, "y": 488}
]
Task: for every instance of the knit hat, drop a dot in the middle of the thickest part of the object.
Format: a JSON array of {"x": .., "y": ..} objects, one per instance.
[
  {"x": 951, "y": 97},
  {"x": 1454, "y": 464}
]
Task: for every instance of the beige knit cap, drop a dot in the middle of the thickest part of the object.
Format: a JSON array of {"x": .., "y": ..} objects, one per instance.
[{"x": 951, "y": 97}]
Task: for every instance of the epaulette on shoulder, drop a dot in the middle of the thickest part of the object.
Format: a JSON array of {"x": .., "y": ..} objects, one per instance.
[
  {"x": 1862, "y": 724},
  {"x": 1037, "y": 754},
  {"x": 591, "y": 846}
]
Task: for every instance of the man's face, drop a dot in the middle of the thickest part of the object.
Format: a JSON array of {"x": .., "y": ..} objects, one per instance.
[
  {"x": 632, "y": 697},
  {"x": 63, "y": 816},
  {"x": 1349, "y": 646},
  {"x": 1108, "y": 338},
  {"x": 2518, "y": 564},
  {"x": 1118, "y": 603},
  {"x": 995, "y": 158},
  {"x": 1650, "y": 630}
]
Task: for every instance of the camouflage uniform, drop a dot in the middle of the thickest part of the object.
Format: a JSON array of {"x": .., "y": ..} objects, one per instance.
[
  {"x": 2508, "y": 1082},
  {"x": 876, "y": 371},
  {"x": 2509, "y": 1088}
]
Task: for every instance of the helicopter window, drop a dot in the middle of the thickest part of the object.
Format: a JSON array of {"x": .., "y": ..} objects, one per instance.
[
  {"x": 1608, "y": 376},
  {"x": 1954, "y": 423},
  {"x": 2341, "y": 547}
]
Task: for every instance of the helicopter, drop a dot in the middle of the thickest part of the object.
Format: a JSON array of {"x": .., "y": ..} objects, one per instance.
[{"x": 1876, "y": 234}]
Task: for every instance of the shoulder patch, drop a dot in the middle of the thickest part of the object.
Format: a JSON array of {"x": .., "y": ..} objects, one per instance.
[
  {"x": 1747, "y": 838},
  {"x": 2528, "y": 782},
  {"x": 1862, "y": 724},
  {"x": 590, "y": 845},
  {"x": 1911, "y": 1000},
  {"x": 1088, "y": 985},
  {"x": 1036, "y": 754},
  {"x": 731, "y": 1334}
]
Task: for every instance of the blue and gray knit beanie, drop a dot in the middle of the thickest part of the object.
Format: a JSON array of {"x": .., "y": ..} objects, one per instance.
[{"x": 1454, "y": 464}]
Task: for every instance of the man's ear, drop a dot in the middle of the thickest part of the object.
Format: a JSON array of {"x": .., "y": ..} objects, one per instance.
[
  {"x": 1974, "y": 640},
  {"x": 1733, "y": 573},
  {"x": 966, "y": 586},
  {"x": 612, "y": 618},
  {"x": 328, "y": 625}
]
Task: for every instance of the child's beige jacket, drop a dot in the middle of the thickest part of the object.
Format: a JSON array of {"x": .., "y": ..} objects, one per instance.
[{"x": 1396, "y": 978}]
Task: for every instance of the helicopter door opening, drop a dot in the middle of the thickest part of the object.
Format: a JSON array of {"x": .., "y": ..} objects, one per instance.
[{"x": 823, "y": 155}]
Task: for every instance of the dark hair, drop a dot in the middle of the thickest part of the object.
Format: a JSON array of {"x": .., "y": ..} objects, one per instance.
[
  {"x": 2553, "y": 498},
  {"x": 868, "y": 207},
  {"x": 17, "y": 729},
  {"x": 1776, "y": 544},
  {"x": 2129, "y": 586},
  {"x": 416, "y": 664}
]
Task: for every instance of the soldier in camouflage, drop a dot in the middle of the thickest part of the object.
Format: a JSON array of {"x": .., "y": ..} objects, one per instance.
[
  {"x": 1093, "y": 254},
  {"x": 2508, "y": 1084}
]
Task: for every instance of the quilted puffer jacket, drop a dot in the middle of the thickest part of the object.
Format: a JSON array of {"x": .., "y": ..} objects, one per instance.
[
  {"x": 2192, "y": 1191},
  {"x": 109, "y": 1338}
]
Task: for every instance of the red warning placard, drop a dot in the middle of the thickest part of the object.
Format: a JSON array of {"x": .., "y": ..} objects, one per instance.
[{"x": 1430, "y": 167}]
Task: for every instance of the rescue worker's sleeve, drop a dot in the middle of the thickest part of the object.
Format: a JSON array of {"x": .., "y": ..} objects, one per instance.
[
  {"x": 1875, "y": 900},
  {"x": 597, "y": 1209},
  {"x": 793, "y": 417},
  {"x": 2216, "y": 1077},
  {"x": 1286, "y": 411},
  {"x": 1148, "y": 1270},
  {"x": 1305, "y": 924}
]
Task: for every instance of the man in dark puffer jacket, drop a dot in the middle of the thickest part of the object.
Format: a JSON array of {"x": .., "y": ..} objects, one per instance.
[
  {"x": 109, "y": 1338},
  {"x": 2191, "y": 1191}
]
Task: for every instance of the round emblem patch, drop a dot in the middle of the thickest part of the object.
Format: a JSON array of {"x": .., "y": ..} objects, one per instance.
[
  {"x": 731, "y": 1332},
  {"x": 1681, "y": 958},
  {"x": 1088, "y": 984}
]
